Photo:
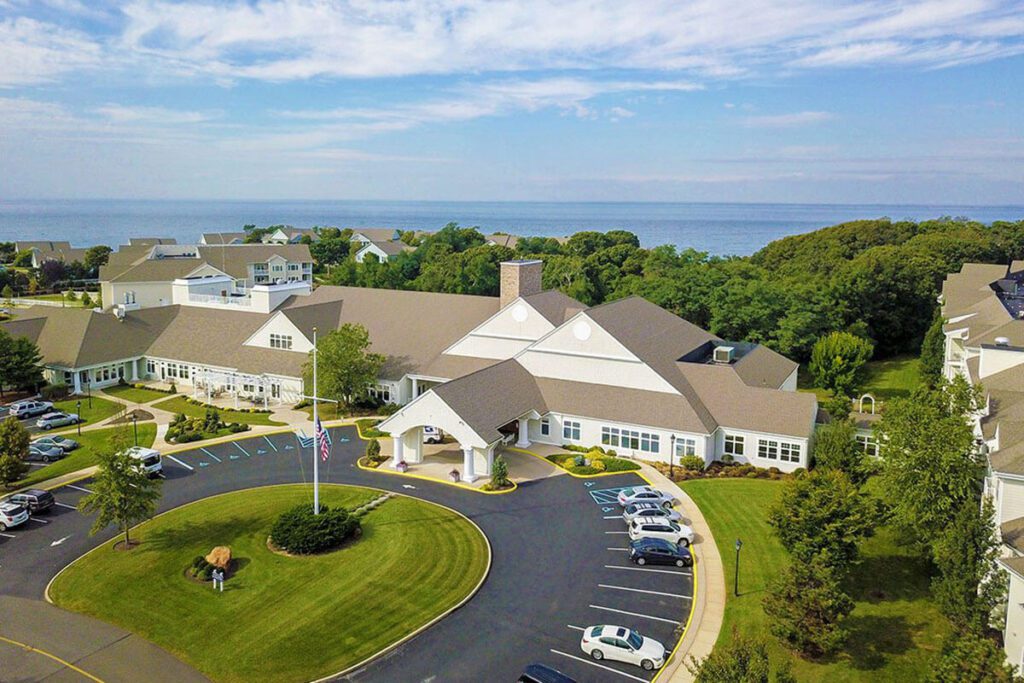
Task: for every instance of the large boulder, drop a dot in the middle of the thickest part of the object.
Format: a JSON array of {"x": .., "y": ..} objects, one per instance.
[{"x": 220, "y": 557}]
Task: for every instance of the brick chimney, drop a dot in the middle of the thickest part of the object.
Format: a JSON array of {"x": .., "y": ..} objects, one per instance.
[{"x": 519, "y": 278}]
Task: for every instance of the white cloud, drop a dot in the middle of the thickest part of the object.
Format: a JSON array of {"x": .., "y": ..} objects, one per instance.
[
  {"x": 801, "y": 118},
  {"x": 35, "y": 52},
  {"x": 119, "y": 113}
]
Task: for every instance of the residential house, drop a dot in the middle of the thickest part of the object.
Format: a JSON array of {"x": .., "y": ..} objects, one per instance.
[
  {"x": 47, "y": 250},
  {"x": 384, "y": 251},
  {"x": 290, "y": 235},
  {"x": 222, "y": 238},
  {"x": 143, "y": 276},
  {"x": 150, "y": 241},
  {"x": 983, "y": 306}
]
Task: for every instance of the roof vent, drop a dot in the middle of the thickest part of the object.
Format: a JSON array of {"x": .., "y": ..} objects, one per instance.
[
  {"x": 1002, "y": 341},
  {"x": 724, "y": 354}
]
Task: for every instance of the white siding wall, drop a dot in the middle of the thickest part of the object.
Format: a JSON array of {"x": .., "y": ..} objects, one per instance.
[
  {"x": 147, "y": 294},
  {"x": 1013, "y": 636},
  {"x": 503, "y": 336},
  {"x": 280, "y": 324},
  {"x": 997, "y": 360},
  {"x": 1009, "y": 500}
]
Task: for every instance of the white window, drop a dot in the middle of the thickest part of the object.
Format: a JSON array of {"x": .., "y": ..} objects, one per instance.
[
  {"x": 545, "y": 426},
  {"x": 734, "y": 444},
  {"x": 280, "y": 341},
  {"x": 184, "y": 372},
  {"x": 768, "y": 449},
  {"x": 650, "y": 443},
  {"x": 571, "y": 430},
  {"x": 293, "y": 266},
  {"x": 789, "y": 452},
  {"x": 150, "y": 367},
  {"x": 610, "y": 436},
  {"x": 277, "y": 268},
  {"x": 172, "y": 369},
  {"x": 383, "y": 392},
  {"x": 685, "y": 447},
  {"x": 868, "y": 443},
  {"x": 629, "y": 439}
]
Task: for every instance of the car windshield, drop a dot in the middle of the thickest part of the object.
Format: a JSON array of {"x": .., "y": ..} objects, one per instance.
[
  {"x": 635, "y": 640},
  {"x": 675, "y": 527},
  {"x": 151, "y": 460}
]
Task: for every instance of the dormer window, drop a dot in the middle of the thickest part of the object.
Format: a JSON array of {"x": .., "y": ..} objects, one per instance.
[{"x": 280, "y": 341}]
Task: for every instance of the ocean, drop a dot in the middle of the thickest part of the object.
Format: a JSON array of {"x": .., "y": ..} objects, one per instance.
[{"x": 738, "y": 229}]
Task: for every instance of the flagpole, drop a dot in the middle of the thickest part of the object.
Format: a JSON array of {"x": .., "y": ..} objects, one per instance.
[{"x": 316, "y": 437}]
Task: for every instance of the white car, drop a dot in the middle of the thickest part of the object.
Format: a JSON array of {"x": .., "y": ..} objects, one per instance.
[
  {"x": 656, "y": 527},
  {"x": 634, "y": 510},
  {"x": 149, "y": 460},
  {"x": 30, "y": 408},
  {"x": 644, "y": 494},
  {"x": 623, "y": 645},
  {"x": 11, "y": 515}
]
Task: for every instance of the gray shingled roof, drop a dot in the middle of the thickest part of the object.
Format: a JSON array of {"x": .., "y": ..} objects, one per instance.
[{"x": 134, "y": 265}]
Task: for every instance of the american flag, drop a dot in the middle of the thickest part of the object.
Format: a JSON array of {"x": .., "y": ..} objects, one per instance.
[{"x": 325, "y": 440}]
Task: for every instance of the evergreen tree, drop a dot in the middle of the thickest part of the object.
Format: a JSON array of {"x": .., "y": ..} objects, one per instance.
[
  {"x": 933, "y": 351},
  {"x": 972, "y": 657},
  {"x": 806, "y": 608},
  {"x": 741, "y": 660},
  {"x": 14, "y": 441},
  {"x": 499, "y": 473},
  {"x": 836, "y": 448}
]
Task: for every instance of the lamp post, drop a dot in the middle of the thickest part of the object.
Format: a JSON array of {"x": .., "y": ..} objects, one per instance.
[
  {"x": 78, "y": 405},
  {"x": 135, "y": 426},
  {"x": 736, "y": 580},
  {"x": 88, "y": 387},
  {"x": 672, "y": 459}
]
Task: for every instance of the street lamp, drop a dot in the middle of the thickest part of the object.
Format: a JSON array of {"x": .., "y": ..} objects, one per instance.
[
  {"x": 672, "y": 459},
  {"x": 736, "y": 581},
  {"x": 78, "y": 405},
  {"x": 135, "y": 425}
]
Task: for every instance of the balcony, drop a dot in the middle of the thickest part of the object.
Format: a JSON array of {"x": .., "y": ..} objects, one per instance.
[{"x": 216, "y": 300}]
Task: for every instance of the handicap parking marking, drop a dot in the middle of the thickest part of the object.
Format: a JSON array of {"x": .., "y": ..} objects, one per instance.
[
  {"x": 261, "y": 451},
  {"x": 636, "y": 614},
  {"x": 289, "y": 447},
  {"x": 641, "y": 590},
  {"x": 271, "y": 443},
  {"x": 600, "y": 666},
  {"x": 209, "y": 454},
  {"x": 204, "y": 464},
  {"x": 234, "y": 457},
  {"x": 186, "y": 466},
  {"x": 239, "y": 447},
  {"x": 606, "y": 496}
]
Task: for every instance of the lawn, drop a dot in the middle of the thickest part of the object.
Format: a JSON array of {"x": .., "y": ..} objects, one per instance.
[
  {"x": 179, "y": 404},
  {"x": 280, "y": 618},
  {"x": 132, "y": 394},
  {"x": 86, "y": 456},
  {"x": 895, "y": 628},
  {"x": 883, "y": 379},
  {"x": 100, "y": 409}
]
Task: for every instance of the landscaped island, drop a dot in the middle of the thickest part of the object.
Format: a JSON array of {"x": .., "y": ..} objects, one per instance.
[{"x": 281, "y": 618}]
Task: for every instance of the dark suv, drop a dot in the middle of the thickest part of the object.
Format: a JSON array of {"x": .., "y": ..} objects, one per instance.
[
  {"x": 658, "y": 551},
  {"x": 33, "y": 500},
  {"x": 539, "y": 673}
]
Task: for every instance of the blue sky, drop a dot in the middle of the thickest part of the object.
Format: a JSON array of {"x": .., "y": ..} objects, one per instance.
[{"x": 660, "y": 100}]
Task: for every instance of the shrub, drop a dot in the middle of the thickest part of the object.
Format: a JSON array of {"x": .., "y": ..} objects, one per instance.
[
  {"x": 236, "y": 427},
  {"x": 173, "y": 389},
  {"x": 389, "y": 409},
  {"x": 584, "y": 469},
  {"x": 620, "y": 465},
  {"x": 611, "y": 453},
  {"x": 598, "y": 464},
  {"x": 300, "y": 532},
  {"x": 499, "y": 473},
  {"x": 693, "y": 463},
  {"x": 373, "y": 450}
]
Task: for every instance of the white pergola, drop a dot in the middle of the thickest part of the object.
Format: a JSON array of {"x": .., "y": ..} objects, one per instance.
[{"x": 212, "y": 383}]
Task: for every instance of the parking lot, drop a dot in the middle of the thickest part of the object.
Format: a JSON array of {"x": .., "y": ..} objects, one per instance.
[{"x": 560, "y": 561}]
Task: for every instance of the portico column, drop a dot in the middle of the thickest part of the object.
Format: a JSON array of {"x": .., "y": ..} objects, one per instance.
[
  {"x": 415, "y": 385},
  {"x": 524, "y": 435},
  {"x": 490, "y": 461},
  {"x": 78, "y": 381},
  {"x": 135, "y": 370},
  {"x": 468, "y": 475},
  {"x": 417, "y": 446},
  {"x": 397, "y": 450}
]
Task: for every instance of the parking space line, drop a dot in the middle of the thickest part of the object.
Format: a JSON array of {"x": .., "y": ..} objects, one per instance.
[
  {"x": 616, "y": 532},
  {"x": 209, "y": 454},
  {"x": 600, "y": 666},
  {"x": 78, "y": 488},
  {"x": 41, "y": 521},
  {"x": 65, "y": 505},
  {"x": 636, "y": 614},
  {"x": 271, "y": 443},
  {"x": 612, "y": 517},
  {"x": 641, "y": 590},
  {"x": 624, "y": 550},
  {"x": 8, "y": 535},
  {"x": 645, "y": 569},
  {"x": 576, "y": 628},
  {"x": 187, "y": 467},
  {"x": 241, "y": 449}
]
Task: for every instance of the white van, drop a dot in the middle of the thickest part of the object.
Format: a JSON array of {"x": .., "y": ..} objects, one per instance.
[
  {"x": 432, "y": 435},
  {"x": 149, "y": 459}
]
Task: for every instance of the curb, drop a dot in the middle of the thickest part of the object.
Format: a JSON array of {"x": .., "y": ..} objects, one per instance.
[
  {"x": 573, "y": 474},
  {"x": 458, "y": 485}
]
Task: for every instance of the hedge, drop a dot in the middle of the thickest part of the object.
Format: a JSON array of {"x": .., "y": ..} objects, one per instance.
[{"x": 300, "y": 532}]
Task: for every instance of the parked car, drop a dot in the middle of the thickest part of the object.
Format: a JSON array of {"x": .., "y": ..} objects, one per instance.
[
  {"x": 148, "y": 459},
  {"x": 44, "y": 453},
  {"x": 11, "y": 515},
  {"x": 644, "y": 494},
  {"x": 61, "y": 442},
  {"x": 657, "y": 551},
  {"x": 653, "y": 527},
  {"x": 623, "y": 645},
  {"x": 33, "y": 500},
  {"x": 26, "y": 409},
  {"x": 51, "y": 420},
  {"x": 540, "y": 673},
  {"x": 634, "y": 510},
  {"x": 432, "y": 435}
]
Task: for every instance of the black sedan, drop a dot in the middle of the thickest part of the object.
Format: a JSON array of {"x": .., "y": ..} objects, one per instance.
[{"x": 658, "y": 551}]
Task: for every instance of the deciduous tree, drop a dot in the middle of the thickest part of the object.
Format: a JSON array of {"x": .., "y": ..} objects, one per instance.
[
  {"x": 972, "y": 657},
  {"x": 740, "y": 660},
  {"x": 836, "y": 448},
  {"x": 96, "y": 257},
  {"x": 806, "y": 608},
  {"x": 14, "y": 441},
  {"x": 347, "y": 367},
  {"x": 837, "y": 362}
]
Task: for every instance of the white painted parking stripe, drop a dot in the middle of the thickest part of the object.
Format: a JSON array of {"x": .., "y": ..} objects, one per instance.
[
  {"x": 636, "y": 614},
  {"x": 577, "y": 628},
  {"x": 187, "y": 467},
  {"x": 65, "y": 505},
  {"x": 645, "y": 569},
  {"x": 78, "y": 488},
  {"x": 271, "y": 443},
  {"x": 41, "y": 521},
  {"x": 241, "y": 449},
  {"x": 8, "y": 535},
  {"x": 641, "y": 590},
  {"x": 600, "y": 666},
  {"x": 210, "y": 454},
  {"x": 612, "y": 517},
  {"x": 616, "y": 532},
  {"x": 623, "y": 550}
]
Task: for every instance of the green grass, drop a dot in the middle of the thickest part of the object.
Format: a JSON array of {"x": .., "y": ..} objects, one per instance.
[
  {"x": 92, "y": 443},
  {"x": 368, "y": 429},
  {"x": 100, "y": 410},
  {"x": 895, "y": 628},
  {"x": 280, "y": 618},
  {"x": 884, "y": 379},
  {"x": 134, "y": 394},
  {"x": 178, "y": 404}
]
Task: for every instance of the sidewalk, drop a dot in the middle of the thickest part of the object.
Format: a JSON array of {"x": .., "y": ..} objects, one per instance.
[{"x": 709, "y": 578}]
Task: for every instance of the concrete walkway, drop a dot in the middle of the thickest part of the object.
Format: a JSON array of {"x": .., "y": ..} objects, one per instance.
[{"x": 709, "y": 601}]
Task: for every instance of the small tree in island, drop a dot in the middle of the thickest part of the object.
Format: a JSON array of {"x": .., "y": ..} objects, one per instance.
[
  {"x": 13, "y": 449},
  {"x": 347, "y": 367},
  {"x": 122, "y": 492}
]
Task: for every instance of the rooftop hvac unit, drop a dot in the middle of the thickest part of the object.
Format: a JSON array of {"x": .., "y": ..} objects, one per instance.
[{"x": 724, "y": 354}]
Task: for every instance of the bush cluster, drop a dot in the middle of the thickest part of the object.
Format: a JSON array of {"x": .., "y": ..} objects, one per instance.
[
  {"x": 719, "y": 469},
  {"x": 195, "y": 402},
  {"x": 693, "y": 463},
  {"x": 139, "y": 385},
  {"x": 184, "y": 429},
  {"x": 595, "y": 461},
  {"x": 300, "y": 532},
  {"x": 201, "y": 569}
]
